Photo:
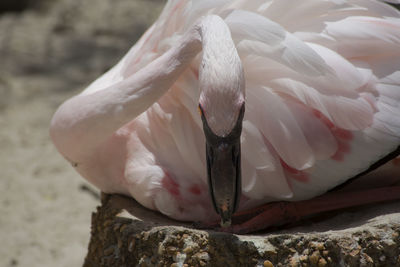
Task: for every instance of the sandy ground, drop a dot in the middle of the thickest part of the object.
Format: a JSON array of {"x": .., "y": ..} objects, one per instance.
[
  {"x": 45, "y": 216},
  {"x": 46, "y": 57}
]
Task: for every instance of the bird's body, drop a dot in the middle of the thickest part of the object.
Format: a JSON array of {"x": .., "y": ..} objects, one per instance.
[{"x": 322, "y": 105}]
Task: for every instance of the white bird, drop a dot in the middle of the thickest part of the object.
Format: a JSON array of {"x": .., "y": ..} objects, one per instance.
[{"x": 319, "y": 79}]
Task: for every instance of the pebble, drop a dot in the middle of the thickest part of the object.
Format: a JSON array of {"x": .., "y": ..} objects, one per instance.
[
  {"x": 322, "y": 262},
  {"x": 108, "y": 251},
  {"x": 300, "y": 245},
  {"x": 161, "y": 249},
  {"x": 368, "y": 258},
  {"x": 320, "y": 246},
  {"x": 314, "y": 258},
  {"x": 116, "y": 227},
  {"x": 294, "y": 262},
  {"x": 303, "y": 258},
  {"x": 202, "y": 256},
  {"x": 131, "y": 245},
  {"x": 123, "y": 228},
  {"x": 145, "y": 235},
  {"x": 267, "y": 263},
  {"x": 107, "y": 223},
  {"x": 354, "y": 253},
  {"x": 171, "y": 250},
  {"x": 188, "y": 249}
]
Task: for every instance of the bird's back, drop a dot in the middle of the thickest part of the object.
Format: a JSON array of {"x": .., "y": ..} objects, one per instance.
[{"x": 322, "y": 99}]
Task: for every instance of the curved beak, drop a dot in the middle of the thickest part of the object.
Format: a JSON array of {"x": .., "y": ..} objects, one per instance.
[
  {"x": 224, "y": 169},
  {"x": 224, "y": 178}
]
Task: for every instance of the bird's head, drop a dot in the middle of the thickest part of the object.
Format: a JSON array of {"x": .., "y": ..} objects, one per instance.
[{"x": 222, "y": 109}]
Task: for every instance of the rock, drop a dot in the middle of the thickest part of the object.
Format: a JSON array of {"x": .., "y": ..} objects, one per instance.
[{"x": 126, "y": 234}]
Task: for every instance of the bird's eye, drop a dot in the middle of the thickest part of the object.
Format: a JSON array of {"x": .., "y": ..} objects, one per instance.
[{"x": 200, "y": 110}]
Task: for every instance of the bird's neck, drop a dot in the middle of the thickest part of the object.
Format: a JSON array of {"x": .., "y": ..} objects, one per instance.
[{"x": 221, "y": 77}]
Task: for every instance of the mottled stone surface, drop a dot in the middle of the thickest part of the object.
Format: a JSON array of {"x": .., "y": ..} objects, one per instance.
[{"x": 125, "y": 234}]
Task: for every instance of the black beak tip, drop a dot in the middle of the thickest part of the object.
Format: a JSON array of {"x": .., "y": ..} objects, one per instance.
[
  {"x": 225, "y": 213},
  {"x": 225, "y": 221}
]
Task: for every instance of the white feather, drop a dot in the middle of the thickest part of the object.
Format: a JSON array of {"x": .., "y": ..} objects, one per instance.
[
  {"x": 339, "y": 59},
  {"x": 248, "y": 25},
  {"x": 282, "y": 131}
]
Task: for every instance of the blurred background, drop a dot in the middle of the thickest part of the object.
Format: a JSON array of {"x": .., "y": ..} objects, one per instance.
[{"x": 49, "y": 51}]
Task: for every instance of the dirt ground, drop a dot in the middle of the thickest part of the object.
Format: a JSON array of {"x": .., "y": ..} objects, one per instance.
[
  {"x": 45, "y": 215},
  {"x": 49, "y": 53}
]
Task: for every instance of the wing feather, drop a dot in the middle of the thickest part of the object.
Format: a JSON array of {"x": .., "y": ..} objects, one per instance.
[
  {"x": 337, "y": 57},
  {"x": 258, "y": 162},
  {"x": 320, "y": 138},
  {"x": 292, "y": 53},
  {"x": 249, "y": 25},
  {"x": 282, "y": 131}
]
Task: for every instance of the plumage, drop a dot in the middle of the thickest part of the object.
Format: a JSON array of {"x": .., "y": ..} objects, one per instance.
[{"x": 322, "y": 85}]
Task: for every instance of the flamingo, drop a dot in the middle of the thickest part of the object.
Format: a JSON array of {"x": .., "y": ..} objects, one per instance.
[{"x": 225, "y": 106}]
